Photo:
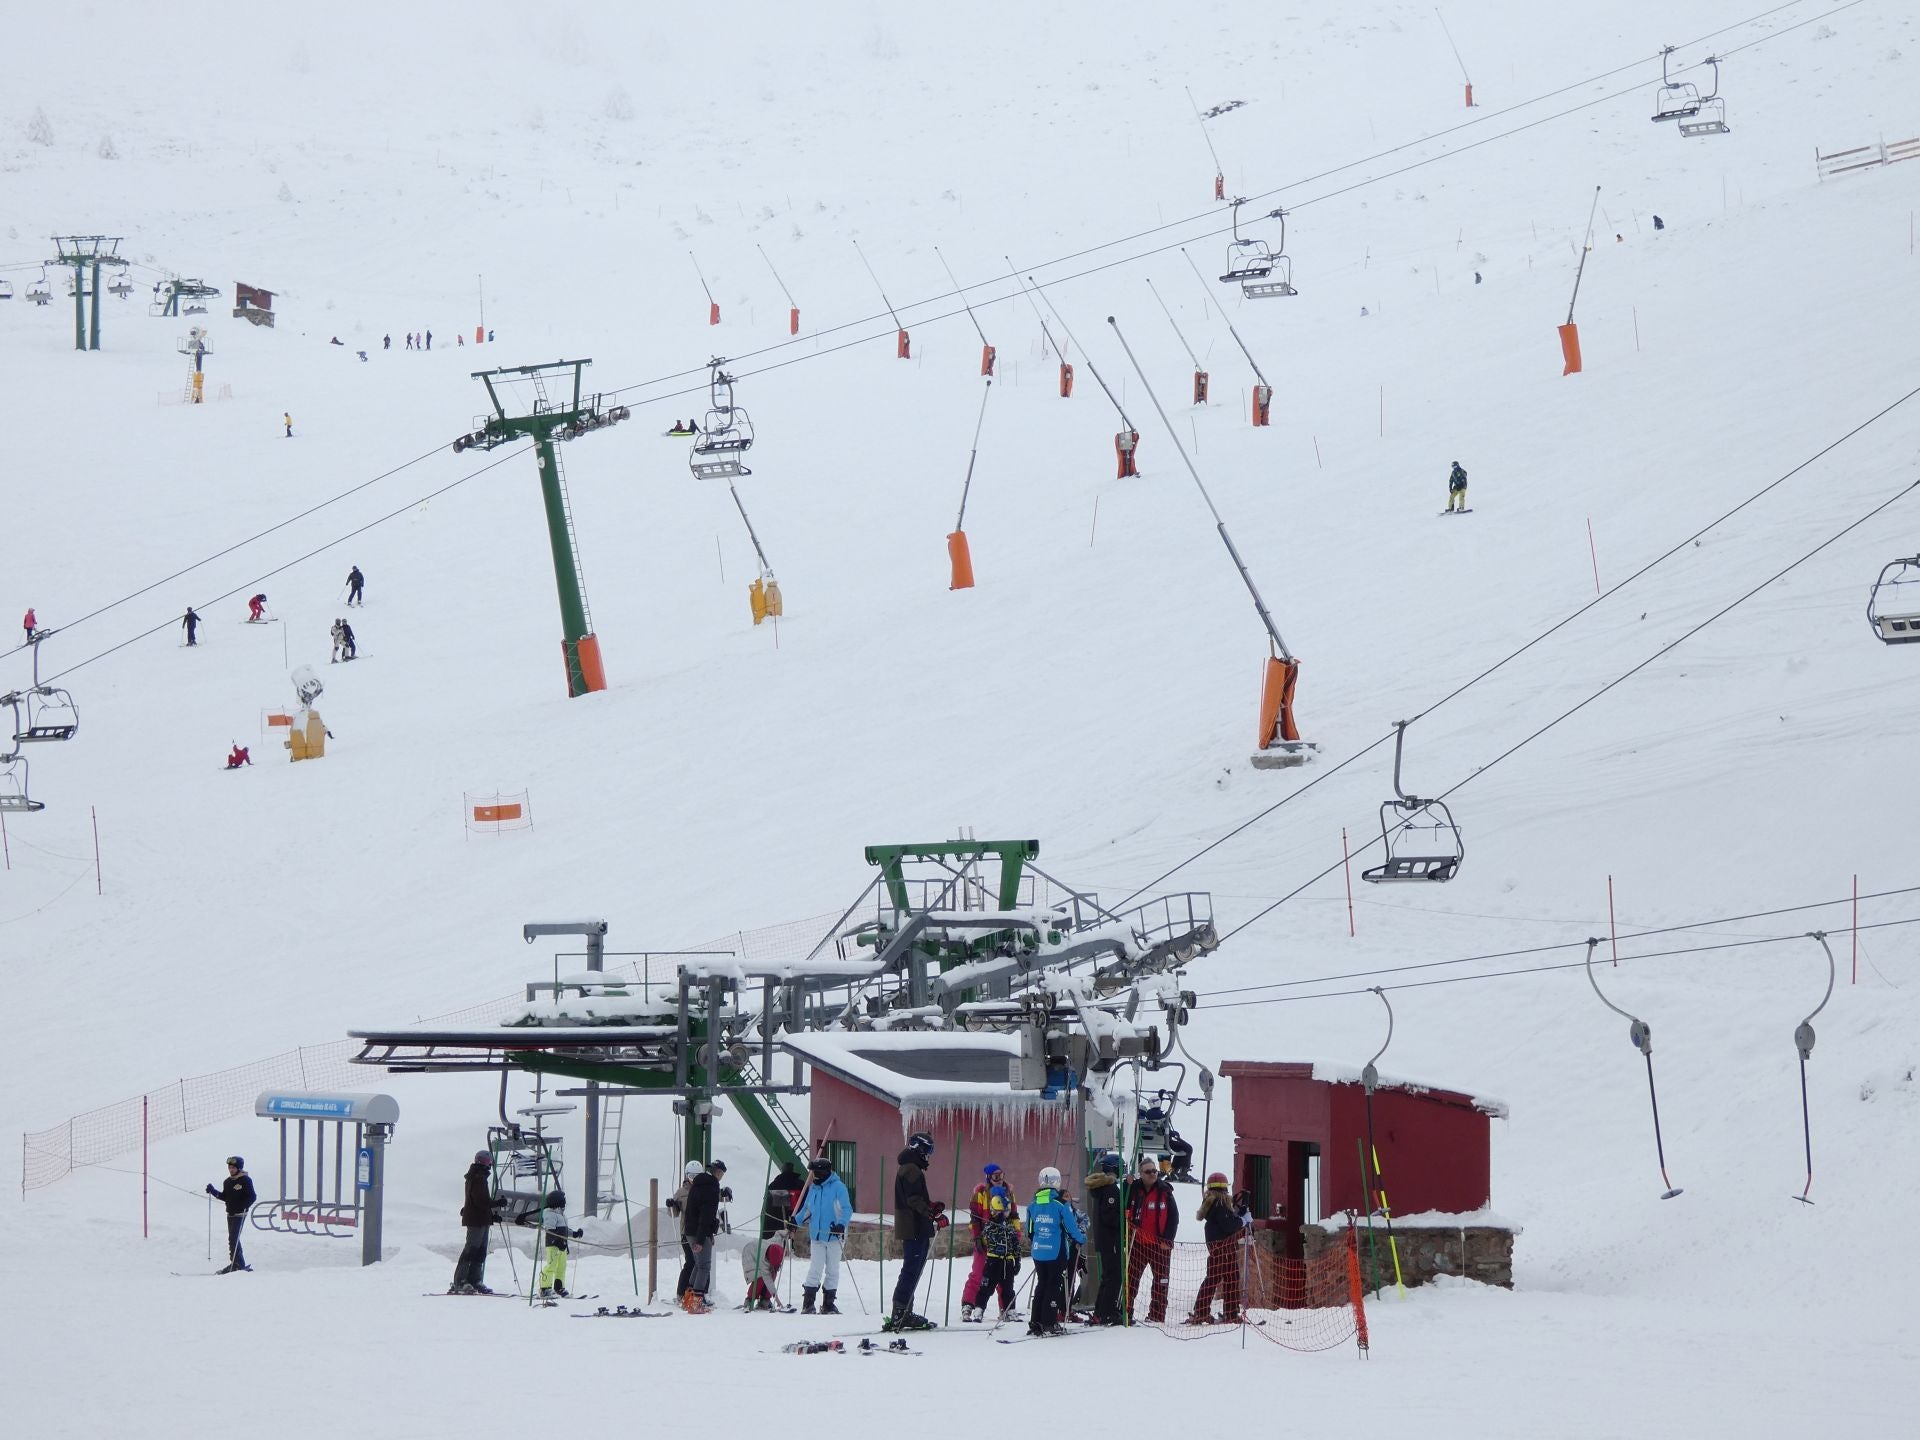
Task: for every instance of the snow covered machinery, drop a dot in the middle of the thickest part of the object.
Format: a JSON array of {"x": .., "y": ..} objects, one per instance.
[
  {"x": 1893, "y": 607},
  {"x": 1421, "y": 839},
  {"x": 725, "y": 435}
]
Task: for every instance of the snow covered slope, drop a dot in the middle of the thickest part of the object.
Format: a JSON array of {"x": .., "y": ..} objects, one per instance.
[{"x": 381, "y": 171}]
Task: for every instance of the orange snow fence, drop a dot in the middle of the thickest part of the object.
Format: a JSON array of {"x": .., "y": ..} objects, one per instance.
[
  {"x": 901, "y": 346},
  {"x": 1276, "y": 701},
  {"x": 793, "y": 321},
  {"x": 500, "y": 811},
  {"x": 1066, "y": 379},
  {"x": 494, "y": 814},
  {"x": 1199, "y": 387},
  {"x": 277, "y": 719},
  {"x": 962, "y": 560},
  {"x": 1263, "y": 405},
  {"x": 986, "y": 359},
  {"x": 1570, "y": 348}
]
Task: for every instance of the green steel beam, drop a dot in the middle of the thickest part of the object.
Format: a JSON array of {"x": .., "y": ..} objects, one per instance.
[{"x": 1013, "y": 854}]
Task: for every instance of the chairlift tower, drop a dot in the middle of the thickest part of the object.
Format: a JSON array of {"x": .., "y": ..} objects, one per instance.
[
  {"x": 168, "y": 294},
  {"x": 86, "y": 254},
  {"x": 562, "y": 415}
]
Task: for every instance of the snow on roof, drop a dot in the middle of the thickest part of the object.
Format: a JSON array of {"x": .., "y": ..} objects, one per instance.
[
  {"x": 781, "y": 969},
  {"x": 1329, "y": 1072},
  {"x": 921, "y": 1071}
]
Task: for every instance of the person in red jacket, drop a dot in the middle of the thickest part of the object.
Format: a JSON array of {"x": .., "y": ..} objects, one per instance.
[
  {"x": 30, "y": 623},
  {"x": 1153, "y": 1219},
  {"x": 972, "y": 1303},
  {"x": 238, "y": 756}
]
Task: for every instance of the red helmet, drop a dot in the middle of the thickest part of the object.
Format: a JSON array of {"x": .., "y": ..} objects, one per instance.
[{"x": 1217, "y": 1181}]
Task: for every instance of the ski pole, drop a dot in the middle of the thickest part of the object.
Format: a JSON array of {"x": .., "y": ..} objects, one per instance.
[{"x": 209, "y": 1229}]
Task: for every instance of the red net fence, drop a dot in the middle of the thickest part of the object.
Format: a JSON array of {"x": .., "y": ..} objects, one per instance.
[
  {"x": 1192, "y": 1290},
  {"x": 99, "y": 1136}
]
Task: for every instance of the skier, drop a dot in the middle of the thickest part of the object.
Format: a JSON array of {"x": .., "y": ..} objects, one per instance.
[
  {"x": 236, "y": 1193},
  {"x": 333, "y": 657},
  {"x": 554, "y": 1229},
  {"x": 477, "y": 1216},
  {"x": 677, "y": 1207},
  {"x": 1051, "y": 1223},
  {"x": 761, "y": 1262},
  {"x": 1457, "y": 489},
  {"x": 356, "y": 582},
  {"x": 776, "y": 1207},
  {"x": 386, "y": 342},
  {"x": 1223, "y": 1224},
  {"x": 191, "y": 620},
  {"x": 1658, "y": 223},
  {"x": 825, "y": 1209},
  {"x": 1153, "y": 1219},
  {"x": 238, "y": 756},
  {"x": 349, "y": 650},
  {"x": 1105, "y": 1225},
  {"x": 916, "y": 1219},
  {"x": 970, "y": 1307},
  {"x": 286, "y": 419},
  {"x": 257, "y": 608},
  {"x": 30, "y": 623},
  {"x": 1000, "y": 1241},
  {"x": 700, "y": 1225},
  {"x": 429, "y": 339}
]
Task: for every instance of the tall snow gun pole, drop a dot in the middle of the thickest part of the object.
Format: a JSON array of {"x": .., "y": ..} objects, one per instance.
[
  {"x": 1199, "y": 375},
  {"x": 1066, "y": 369},
  {"x": 793, "y": 306},
  {"x": 1466, "y": 78},
  {"x": 1569, "y": 332},
  {"x": 958, "y": 554},
  {"x": 1219, "y": 175},
  {"x": 1126, "y": 444},
  {"x": 713, "y": 305},
  {"x": 1641, "y": 1034},
  {"x": 987, "y": 352},
  {"x": 1277, "y": 728},
  {"x": 1263, "y": 391},
  {"x": 902, "y": 346}
]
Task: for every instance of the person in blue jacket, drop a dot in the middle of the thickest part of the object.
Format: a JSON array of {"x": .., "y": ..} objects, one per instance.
[
  {"x": 825, "y": 1210},
  {"x": 1051, "y": 1223}
]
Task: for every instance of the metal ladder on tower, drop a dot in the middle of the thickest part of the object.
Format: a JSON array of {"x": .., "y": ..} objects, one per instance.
[
  {"x": 613, "y": 1109},
  {"x": 788, "y": 1126}
]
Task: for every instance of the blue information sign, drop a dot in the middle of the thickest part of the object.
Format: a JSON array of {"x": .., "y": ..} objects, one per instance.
[{"x": 363, "y": 1169}]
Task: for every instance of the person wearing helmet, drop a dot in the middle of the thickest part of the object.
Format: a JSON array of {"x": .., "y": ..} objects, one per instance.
[
  {"x": 1224, "y": 1260},
  {"x": 971, "y": 1308},
  {"x": 236, "y": 1193},
  {"x": 917, "y": 1217},
  {"x": 1153, "y": 1219},
  {"x": 825, "y": 1209},
  {"x": 677, "y": 1207},
  {"x": 1457, "y": 488},
  {"x": 700, "y": 1225},
  {"x": 554, "y": 1228},
  {"x": 1000, "y": 1239},
  {"x": 1051, "y": 1223},
  {"x": 476, "y": 1215},
  {"x": 1106, "y": 1225}
]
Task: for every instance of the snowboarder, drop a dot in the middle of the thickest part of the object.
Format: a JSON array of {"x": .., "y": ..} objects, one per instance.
[
  {"x": 257, "y": 608},
  {"x": 1153, "y": 1219},
  {"x": 489, "y": 337},
  {"x": 356, "y": 582},
  {"x": 1051, "y": 1223},
  {"x": 429, "y": 339},
  {"x": 916, "y": 1219},
  {"x": 700, "y": 1225},
  {"x": 477, "y": 1216},
  {"x": 191, "y": 620},
  {"x": 970, "y": 1306},
  {"x": 1223, "y": 1221},
  {"x": 236, "y": 1193},
  {"x": 1457, "y": 488},
  {"x": 286, "y": 419},
  {"x": 30, "y": 623},
  {"x": 825, "y": 1208},
  {"x": 1105, "y": 1226},
  {"x": 681, "y": 427},
  {"x": 386, "y": 342},
  {"x": 555, "y": 1231},
  {"x": 238, "y": 756},
  {"x": 1000, "y": 1242}
]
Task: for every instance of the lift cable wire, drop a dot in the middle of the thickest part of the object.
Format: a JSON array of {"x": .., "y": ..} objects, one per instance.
[
  {"x": 1577, "y": 707},
  {"x": 1551, "y": 949},
  {"x": 1565, "y": 965}
]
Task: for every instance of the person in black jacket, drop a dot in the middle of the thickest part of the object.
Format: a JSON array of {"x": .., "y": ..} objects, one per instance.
[
  {"x": 477, "y": 1215},
  {"x": 236, "y": 1193},
  {"x": 1225, "y": 1262},
  {"x": 1106, "y": 1224},
  {"x": 776, "y": 1210},
  {"x": 700, "y": 1224},
  {"x": 356, "y": 583},
  {"x": 916, "y": 1219}
]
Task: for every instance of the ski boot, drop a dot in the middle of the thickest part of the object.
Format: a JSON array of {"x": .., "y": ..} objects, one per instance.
[
  {"x": 1007, "y": 1312},
  {"x": 560, "y": 1289},
  {"x": 807, "y": 1293},
  {"x": 969, "y": 1315},
  {"x": 827, "y": 1307}
]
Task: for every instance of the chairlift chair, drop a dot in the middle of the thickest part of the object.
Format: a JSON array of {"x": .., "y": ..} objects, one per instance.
[
  {"x": 1676, "y": 99},
  {"x": 39, "y": 292},
  {"x": 1712, "y": 119},
  {"x": 14, "y": 795},
  {"x": 1250, "y": 258},
  {"x": 1274, "y": 285},
  {"x": 6, "y": 289},
  {"x": 1421, "y": 839},
  {"x": 1894, "y": 613},
  {"x": 724, "y": 436},
  {"x": 193, "y": 307},
  {"x": 50, "y": 714},
  {"x": 122, "y": 287}
]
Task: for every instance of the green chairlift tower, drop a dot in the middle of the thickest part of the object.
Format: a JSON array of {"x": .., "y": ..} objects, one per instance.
[
  {"x": 85, "y": 254},
  {"x": 563, "y": 414}
]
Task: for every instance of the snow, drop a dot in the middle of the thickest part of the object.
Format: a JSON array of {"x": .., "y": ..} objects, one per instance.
[
  {"x": 1337, "y": 1074},
  {"x": 382, "y": 171}
]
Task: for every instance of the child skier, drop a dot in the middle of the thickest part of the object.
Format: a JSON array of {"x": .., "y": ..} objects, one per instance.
[
  {"x": 1051, "y": 1223},
  {"x": 257, "y": 608},
  {"x": 824, "y": 1209},
  {"x": 1000, "y": 1243},
  {"x": 1457, "y": 489},
  {"x": 970, "y": 1307},
  {"x": 238, "y": 756},
  {"x": 1223, "y": 1225},
  {"x": 553, "y": 1225}
]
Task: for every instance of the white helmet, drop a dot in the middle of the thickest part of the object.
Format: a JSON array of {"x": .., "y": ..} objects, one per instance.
[
  {"x": 1050, "y": 1179},
  {"x": 694, "y": 1167}
]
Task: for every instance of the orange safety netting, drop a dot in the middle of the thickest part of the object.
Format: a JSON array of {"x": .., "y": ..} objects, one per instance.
[{"x": 1193, "y": 1290}]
